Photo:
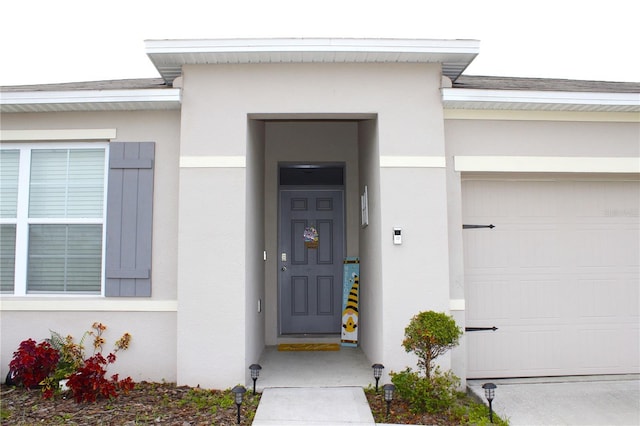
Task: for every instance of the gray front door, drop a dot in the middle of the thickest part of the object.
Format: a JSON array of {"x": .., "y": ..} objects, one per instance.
[{"x": 310, "y": 259}]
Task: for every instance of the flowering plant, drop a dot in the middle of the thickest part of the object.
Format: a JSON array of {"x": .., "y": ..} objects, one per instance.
[
  {"x": 88, "y": 382},
  {"x": 58, "y": 358}
]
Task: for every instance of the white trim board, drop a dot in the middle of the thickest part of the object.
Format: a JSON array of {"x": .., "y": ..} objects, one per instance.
[
  {"x": 58, "y": 135},
  {"x": 89, "y": 305},
  {"x": 457, "y": 304},
  {"x": 538, "y": 96},
  {"x": 547, "y": 164}
]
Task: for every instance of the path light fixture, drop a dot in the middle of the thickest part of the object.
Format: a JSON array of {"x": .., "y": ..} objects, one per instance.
[
  {"x": 255, "y": 373},
  {"x": 489, "y": 393},
  {"x": 239, "y": 393},
  {"x": 377, "y": 373},
  {"x": 388, "y": 395}
]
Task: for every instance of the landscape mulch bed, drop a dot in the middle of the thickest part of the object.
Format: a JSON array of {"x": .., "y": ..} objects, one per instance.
[
  {"x": 148, "y": 403},
  {"x": 167, "y": 404},
  {"x": 399, "y": 413}
]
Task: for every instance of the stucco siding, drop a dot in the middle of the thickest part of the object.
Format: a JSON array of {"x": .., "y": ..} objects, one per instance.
[
  {"x": 151, "y": 320},
  {"x": 217, "y": 100},
  {"x": 415, "y": 274},
  {"x": 371, "y": 294},
  {"x": 542, "y": 138},
  {"x": 255, "y": 271},
  {"x": 151, "y": 355}
]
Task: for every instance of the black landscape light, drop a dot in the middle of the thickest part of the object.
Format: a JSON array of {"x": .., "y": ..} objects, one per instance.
[
  {"x": 255, "y": 373},
  {"x": 489, "y": 393},
  {"x": 239, "y": 393},
  {"x": 388, "y": 395},
  {"x": 377, "y": 373}
]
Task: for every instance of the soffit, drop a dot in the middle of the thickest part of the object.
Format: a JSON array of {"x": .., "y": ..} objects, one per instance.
[{"x": 169, "y": 56}]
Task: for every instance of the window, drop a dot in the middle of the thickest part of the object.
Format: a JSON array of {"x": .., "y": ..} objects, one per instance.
[{"x": 52, "y": 210}]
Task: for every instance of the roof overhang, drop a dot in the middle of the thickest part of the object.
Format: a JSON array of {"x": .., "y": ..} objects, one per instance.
[
  {"x": 90, "y": 100},
  {"x": 540, "y": 100},
  {"x": 169, "y": 56}
]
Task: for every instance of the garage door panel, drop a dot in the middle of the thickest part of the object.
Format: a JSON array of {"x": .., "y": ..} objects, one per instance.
[
  {"x": 628, "y": 246},
  {"x": 528, "y": 203},
  {"x": 516, "y": 352},
  {"x": 559, "y": 277},
  {"x": 541, "y": 349},
  {"x": 487, "y": 256},
  {"x": 604, "y": 198},
  {"x": 598, "y": 343},
  {"x": 485, "y": 200},
  {"x": 599, "y": 299},
  {"x": 537, "y": 248},
  {"x": 540, "y": 300},
  {"x": 629, "y": 307},
  {"x": 490, "y": 355},
  {"x": 603, "y": 246},
  {"x": 490, "y": 309}
]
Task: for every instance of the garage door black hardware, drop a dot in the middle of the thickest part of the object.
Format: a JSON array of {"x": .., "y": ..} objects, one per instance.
[
  {"x": 478, "y": 226},
  {"x": 494, "y": 328}
]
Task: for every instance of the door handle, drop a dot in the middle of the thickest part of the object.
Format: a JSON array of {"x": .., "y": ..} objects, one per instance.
[{"x": 284, "y": 268}]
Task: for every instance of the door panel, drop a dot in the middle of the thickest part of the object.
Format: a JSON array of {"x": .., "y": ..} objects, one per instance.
[
  {"x": 310, "y": 282},
  {"x": 558, "y": 276}
]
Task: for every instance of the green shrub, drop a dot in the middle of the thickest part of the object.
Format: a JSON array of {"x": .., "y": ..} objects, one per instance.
[
  {"x": 433, "y": 394},
  {"x": 477, "y": 414},
  {"x": 429, "y": 335}
]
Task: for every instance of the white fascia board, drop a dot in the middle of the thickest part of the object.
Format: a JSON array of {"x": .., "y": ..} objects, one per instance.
[
  {"x": 540, "y": 97},
  {"x": 90, "y": 96},
  {"x": 540, "y": 115},
  {"x": 312, "y": 45},
  {"x": 168, "y": 56}
]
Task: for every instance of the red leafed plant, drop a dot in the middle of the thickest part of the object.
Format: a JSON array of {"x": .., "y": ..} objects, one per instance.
[
  {"x": 32, "y": 362},
  {"x": 48, "y": 363},
  {"x": 88, "y": 382}
]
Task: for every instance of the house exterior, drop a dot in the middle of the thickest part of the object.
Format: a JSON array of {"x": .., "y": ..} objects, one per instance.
[{"x": 175, "y": 208}]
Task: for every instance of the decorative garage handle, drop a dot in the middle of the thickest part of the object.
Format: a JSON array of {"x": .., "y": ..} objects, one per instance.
[
  {"x": 478, "y": 226},
  {"x": 494, "y": 328}
]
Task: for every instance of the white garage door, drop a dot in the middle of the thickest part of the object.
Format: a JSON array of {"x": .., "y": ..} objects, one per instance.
[{"x": 559, "y": 277}]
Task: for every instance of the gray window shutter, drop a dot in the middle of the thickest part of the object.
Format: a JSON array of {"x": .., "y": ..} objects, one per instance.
[{"x": 129, "y": 219}]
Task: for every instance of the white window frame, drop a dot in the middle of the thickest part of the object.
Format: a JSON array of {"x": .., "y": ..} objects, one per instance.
[{"x": 22, "y": 220}]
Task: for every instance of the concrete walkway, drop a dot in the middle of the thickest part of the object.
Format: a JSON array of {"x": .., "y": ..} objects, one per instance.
[
  {"x": 593, "y": 400},
  {"x": 314, "y": 388},
  {"x": 346, "y": 367},
  {"x": 313, "y": 406}
]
